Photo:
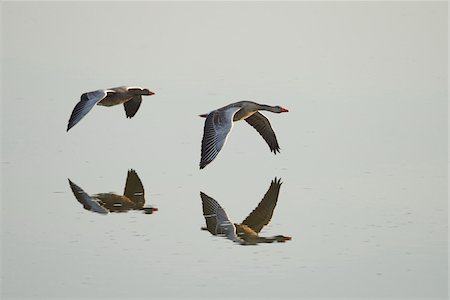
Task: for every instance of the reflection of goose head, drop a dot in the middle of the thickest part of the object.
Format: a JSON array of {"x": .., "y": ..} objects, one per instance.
[
  {"x": 149, "y": 210},
  {"x": 133, "y": 198},
  {"x": 246, "y": 233}
]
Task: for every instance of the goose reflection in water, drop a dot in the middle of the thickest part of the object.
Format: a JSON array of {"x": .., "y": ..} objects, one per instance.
[
  {"x": 133, "y": 198},
  {"x": 246, "y": 233}
]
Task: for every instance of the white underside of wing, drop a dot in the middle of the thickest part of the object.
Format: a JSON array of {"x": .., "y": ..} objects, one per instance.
[
  {"x": 85, "y": 105},
  {"x": 218, "y": 126},
  {"x": 223, "y": 225},
  {"x": 87, "y": 200},
  {"x": 223, "y": 129},
  {"x": 96, "y": 206}
]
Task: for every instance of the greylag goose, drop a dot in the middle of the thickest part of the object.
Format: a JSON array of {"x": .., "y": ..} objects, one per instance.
[
  {"x": 133, "y": 198},
  {"x": 219, "y": 122},
  {"x": 130, "y": 97},
  {"x": 246, "y": 233}
]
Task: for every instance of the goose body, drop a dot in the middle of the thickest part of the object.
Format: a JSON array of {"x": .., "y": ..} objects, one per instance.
[
  {"x": 133, "y": 197},
  {"x": 247, "y": 232},
  {"x": 219, "y": 122},
  {"x": 130, "y": 97}
]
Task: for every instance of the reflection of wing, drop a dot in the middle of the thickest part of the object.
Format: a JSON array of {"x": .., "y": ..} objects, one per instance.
[
  {"x": 262, "y": 214},
  {"x": 217, "y": 221},
  {"x": 132, "y": 106},
  {"x": 262, "y": 125},
  {"x": 115, "y": 203},
  {"x": 218, "y": 125},
  {"x": 87, "y": 201},
  {"x": 87, "y": 101},
  {"x": 134, "y": 190}
]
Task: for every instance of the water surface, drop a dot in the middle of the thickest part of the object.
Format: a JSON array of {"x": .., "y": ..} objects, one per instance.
[{"x": 363, "y": 149}]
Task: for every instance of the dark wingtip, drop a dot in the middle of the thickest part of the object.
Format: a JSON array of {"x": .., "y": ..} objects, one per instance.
[
  {"x": 70, "y": 124},
  {"x": 203, "y": 164},
  {"x": 277, "y": 181}
]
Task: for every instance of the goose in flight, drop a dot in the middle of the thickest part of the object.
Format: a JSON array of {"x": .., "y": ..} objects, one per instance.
[
  {"x": 133, "y": 198},
  {"x": 130, "y": 97},
  {"x": 246, "y": 233},
  {"x": 219, "y": 122}
]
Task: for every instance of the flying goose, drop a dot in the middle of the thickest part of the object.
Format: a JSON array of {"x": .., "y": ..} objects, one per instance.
[
  {"x": 246, "y": 233},
  {"x": 130, "y": 97},
  {"x": 219, "y": 122},
  {"x": 133, "y": 197}
]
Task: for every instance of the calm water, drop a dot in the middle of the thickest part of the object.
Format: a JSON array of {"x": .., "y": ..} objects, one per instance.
[{"x": 363, "y": 149}]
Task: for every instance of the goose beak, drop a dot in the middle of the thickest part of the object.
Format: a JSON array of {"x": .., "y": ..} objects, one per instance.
[
  {"x": 284, "y": 110},
  {"x": 151, "y": 93},
  {"x": 203, "y": 115}
]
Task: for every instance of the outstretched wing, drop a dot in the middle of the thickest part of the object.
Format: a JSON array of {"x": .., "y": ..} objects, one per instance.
[
  {"x": 262, "y": 214},
  {"x": 218, "y": 125},
  {"x": 134, "y": 190},
  {"x": 88, "y": 202},
  {"x": 217, "y": 221},
  {"x": 262, "y": 125},
  {"x": 87, "y": 101},
  {"x": 132, "y": 106}
]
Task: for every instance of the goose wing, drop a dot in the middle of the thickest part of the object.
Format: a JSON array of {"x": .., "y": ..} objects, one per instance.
[
  {"x": 134, "y": 190},
  {"x": 132, "y": 106},
  {"x": 262, "y": 214},
  {"x": 217, "y": 221},
  {"x": 262, "y": 125},
  {"x": 87, "y": 101},
  {"x": 88, "y": 202},
  {"x": 218, "y": 125}
]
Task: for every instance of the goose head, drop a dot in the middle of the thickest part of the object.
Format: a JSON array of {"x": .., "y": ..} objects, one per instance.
[
  {"x": 279, "y": 109},
  {"x": 147, "y": 92}
]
